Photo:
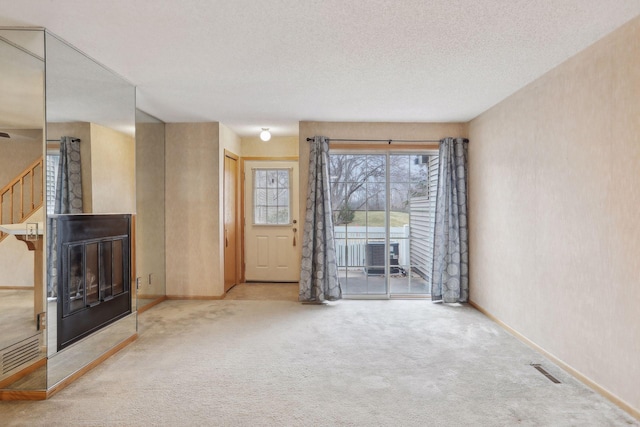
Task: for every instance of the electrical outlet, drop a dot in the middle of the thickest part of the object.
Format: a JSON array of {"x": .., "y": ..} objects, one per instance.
[
  {"x": 41, "y": 321},
  {"x": 32, "y": 231}
]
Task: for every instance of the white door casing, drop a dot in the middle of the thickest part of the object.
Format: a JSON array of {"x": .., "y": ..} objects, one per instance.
[{"x": 272, "y": 250}]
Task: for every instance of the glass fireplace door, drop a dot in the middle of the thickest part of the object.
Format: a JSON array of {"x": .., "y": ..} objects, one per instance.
[{"x": 95, "y": 270}]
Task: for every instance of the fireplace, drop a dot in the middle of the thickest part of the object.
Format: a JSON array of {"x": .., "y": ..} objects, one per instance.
[{"x": 94, "y": 270}]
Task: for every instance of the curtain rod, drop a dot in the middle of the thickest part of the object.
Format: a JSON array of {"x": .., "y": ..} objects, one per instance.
[
  {"x": 379, "y": 140},
  {"x": 57, "y": 140}
]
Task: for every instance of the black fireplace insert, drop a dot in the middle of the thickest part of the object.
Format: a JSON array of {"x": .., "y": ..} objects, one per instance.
[{"x": 94, "y": 270}]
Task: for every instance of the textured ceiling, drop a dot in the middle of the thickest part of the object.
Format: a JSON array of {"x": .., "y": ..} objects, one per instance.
[{"x": 271, "y": 63}]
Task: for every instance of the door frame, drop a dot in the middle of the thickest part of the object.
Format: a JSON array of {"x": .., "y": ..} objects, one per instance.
[
  {"x": 428, "y": 149},
  {"x": 238, "y": 218},
  {"x": 243, "y": 212}
]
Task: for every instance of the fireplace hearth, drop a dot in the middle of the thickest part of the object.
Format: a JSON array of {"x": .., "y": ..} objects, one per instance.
[{"x": 94, "y": 270}]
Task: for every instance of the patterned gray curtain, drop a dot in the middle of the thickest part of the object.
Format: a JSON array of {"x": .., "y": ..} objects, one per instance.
[
  {"x": 450, "y": 281},
  {"x": 319, "y": 274},
  {"x": 68, "y": 201}
]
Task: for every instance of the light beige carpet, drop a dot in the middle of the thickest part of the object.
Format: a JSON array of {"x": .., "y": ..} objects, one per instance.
[
  {"x": 16, "y": 316},
  {"x": 264, "y": 292},
  {"x": 251, "y": 362}
]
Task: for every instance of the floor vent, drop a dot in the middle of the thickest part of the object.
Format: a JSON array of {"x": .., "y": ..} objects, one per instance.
[
  {"x": 15, "y": 356},
  {"x": 545, "y": 373}
]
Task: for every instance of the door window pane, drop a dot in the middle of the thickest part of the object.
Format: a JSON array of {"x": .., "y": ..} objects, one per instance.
[
  {"x": 411, "y": 225},
  {"x": 271, "y": 201}
]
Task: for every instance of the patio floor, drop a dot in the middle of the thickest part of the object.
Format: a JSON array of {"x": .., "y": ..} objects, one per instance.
[{"x": 355, "y": 281}]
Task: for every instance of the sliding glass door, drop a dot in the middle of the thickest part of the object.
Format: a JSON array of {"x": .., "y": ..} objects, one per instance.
[
  {"x": 359, "y": 200},
  {"x": 383, "y": 205}
]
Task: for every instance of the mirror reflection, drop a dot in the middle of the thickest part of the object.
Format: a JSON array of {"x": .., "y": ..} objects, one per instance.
[
  {"x": 90, "y": 188},
  {"x": 21, "y": 203},
  {"x": 78, "y": 171}
]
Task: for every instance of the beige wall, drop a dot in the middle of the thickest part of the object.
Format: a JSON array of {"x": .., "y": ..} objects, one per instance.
[
  {"x": 150, "y": 202},
  {"x": 194, "y": 205},
  {"x": 17, "y": 153},
  {"x": 16, "y": 260},
  {"x": 108, "y": 166},
  {"x": 371, "y": 130},
  {"x": 195, "y": 177},
  {"x": 16, "y": 263},
  {"x": 112, "y": 171},
  {"x": 193, "y": 209},
  {"x": 229, "y": 141},
  {"x": 277, "y": 146},
  {"x": 554, "y": 202}
]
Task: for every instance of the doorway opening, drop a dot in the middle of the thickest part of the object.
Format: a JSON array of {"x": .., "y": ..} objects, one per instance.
[
  {"x": 384, "y": 210},
  {"x": 271, "y": 229}
]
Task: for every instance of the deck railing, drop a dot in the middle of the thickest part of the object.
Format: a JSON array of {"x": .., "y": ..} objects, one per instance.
[{"x": 351, "y": 243}]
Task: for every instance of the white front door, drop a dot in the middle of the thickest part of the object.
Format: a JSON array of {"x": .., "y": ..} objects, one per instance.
[{"x": 272, "y": 229}]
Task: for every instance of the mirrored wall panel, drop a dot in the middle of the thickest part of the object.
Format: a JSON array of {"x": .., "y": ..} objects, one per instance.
[
  {"x": 68, "y": 160},
  {"x": 22, "y": 296},
  {"x": 91, "y": 199}
]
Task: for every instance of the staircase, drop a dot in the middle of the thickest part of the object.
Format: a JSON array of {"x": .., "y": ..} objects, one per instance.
[{"x": 22, "y": 196}]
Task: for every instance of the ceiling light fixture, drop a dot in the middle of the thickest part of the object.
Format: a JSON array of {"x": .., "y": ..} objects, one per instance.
[{"x": 265, "y": 135}]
